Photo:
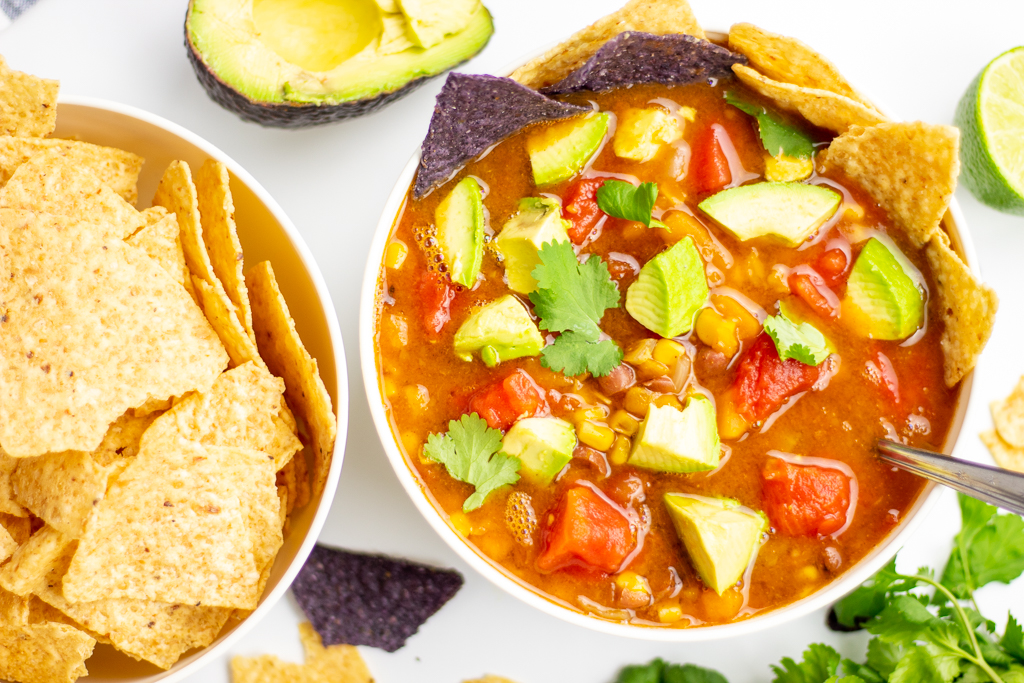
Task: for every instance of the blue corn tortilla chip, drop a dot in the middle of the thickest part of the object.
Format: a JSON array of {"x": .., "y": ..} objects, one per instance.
[
  {"x": 633, "y": 57},
  {"x": 357, "y": 599},
  {"x": 474, "y": 112}
]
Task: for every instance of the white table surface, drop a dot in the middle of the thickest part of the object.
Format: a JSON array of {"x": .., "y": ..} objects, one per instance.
[{"x": 333, "y": 181}]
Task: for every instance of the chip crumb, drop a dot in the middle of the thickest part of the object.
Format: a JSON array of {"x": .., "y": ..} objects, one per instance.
[
  {"x": 333, "y": 664},
  {"x": 28, "y": 104}
]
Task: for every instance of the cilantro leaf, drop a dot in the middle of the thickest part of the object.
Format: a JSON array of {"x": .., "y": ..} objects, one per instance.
[
  {"x": 623, "y": 200},
  {"x": 883, "y": 656},
  {"x": 571, "y": 295},
  {"x": 777, "y": 136},
  {"x": 845, "y": 679},
  {"x": 916, "y": 666},
  {"x": 642, "y": 673},
  {"x": 574, "y": 354},
  {"x": 803, "y": 342},
  {"x": 470, "y": 453},
  {"x": 1013, "y": 639},
  {"x": 689, "y": 673},
  {"x": 820, "y": 662},
  {"x": 991, "y": 544}
]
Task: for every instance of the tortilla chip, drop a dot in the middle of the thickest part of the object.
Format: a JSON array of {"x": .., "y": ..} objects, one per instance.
[
  {"x": 1006, "y": 455},
  {"x": 7, "y": 544},
  {"x": 241, "y": 409},
  {"x": 788, "y": 60},
  {"x": 44, "y": 653},
  {"x": 281, "y": 348},
  {"x": 302, "y": 487},
  {"x": 286, "y": 480},
  {"x": 30, "y": 569},
  {"x": 122, "y": 440},
  {"x": 28, "y": 104},
  {"x": 49, "y": 182},
  {"x": 334, "y": 664},
  {"x": 89, "y": 327},
  {"x": 910, "y": 169},
  {"x": 115, "y": 168},
  {"x": 7, "y": 503},
  {"x": 162, "y": 243},
  {"x": 491, "y": 678},
  {"x": 822, "y": 108},
  {"x": 1008, "y": 416},
  {"x": 968, "y": 309},
  {"x": 650, "y": 16},
  {"x": 20, "y": 528},
  {"x": 217, "y": 213},
  {"x": 177, "y": 194},
  {"x": 14, "y": 609},
  {"x": 221, "y": 313},
  {"x": 62, "y": 489},
  {"x": 184, "y": 523}
]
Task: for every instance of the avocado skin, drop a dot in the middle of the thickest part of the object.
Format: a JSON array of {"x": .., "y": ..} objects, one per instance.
[{"x": 281, "y": 115}]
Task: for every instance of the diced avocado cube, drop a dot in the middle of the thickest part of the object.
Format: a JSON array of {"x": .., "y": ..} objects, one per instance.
[
  {"x": 640, "y": 133},
  {"x": 538, "y": 222},
  {"x": 882, "y": 299},
  {"x": 789, "y": 211},
  {"x": 543, "y": 444},
  {"x": 500, "y": 331},
  {"x": 460, "y": 231},
  {"x": 673, "y": 440},
  {"x": 561, "y": 150},
  {"x": 669, "y": 290},
  {"x": 720, "y": 536}
]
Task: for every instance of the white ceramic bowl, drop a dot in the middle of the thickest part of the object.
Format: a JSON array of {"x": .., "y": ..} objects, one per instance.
[
  {"x": 955, "y": 225},
  {"x": 266, "y": 234}
]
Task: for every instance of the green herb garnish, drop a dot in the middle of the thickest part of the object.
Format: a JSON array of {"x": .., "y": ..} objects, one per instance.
[
  {"x": 803, "y": 342},
  {"x": 777, "y": 136},
  {"x": 623, "y": 200},
  {"x": 470, "y": 453}
]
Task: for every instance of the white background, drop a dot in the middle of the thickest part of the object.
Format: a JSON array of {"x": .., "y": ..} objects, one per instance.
[{"x": 913, "y": 57}]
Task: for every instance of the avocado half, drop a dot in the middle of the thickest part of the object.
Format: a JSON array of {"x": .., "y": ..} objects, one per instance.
[{"x": 297, "y": 63}]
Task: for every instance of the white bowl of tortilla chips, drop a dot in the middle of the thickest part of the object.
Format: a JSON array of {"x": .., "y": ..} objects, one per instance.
[
  {"x": 910, "y": 170},
  {"x": 151, "y": 381}
]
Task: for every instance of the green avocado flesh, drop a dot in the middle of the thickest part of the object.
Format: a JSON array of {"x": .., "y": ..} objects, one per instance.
[
  {"x": 500, "y": 331},
  {"x": 683, "y": 441},
  {"x": 885, "y": 300},
  {"x": 669, "y": 290},
  {"x": 328, "y": 52},
  {"x": 543, "y": 445},
  {"x": 460, "y": 231},
  {"x": 720, "y": 536},
  {"x": 538, "y": 222},
  {"x": 561, "y": 150},
  {"x": 789, "y": 211}
]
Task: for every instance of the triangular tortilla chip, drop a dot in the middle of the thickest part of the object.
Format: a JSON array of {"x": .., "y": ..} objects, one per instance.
[
  {"x": 115, "y": 168},
  {"x": 217, "y": 212},
  {"x": 282, "y": 349},
  {"x": 177, "y": 194},
  {"x": 184, "y": 523},
  {"x": 161, "y": 241},
  {"x": 788, "y": 60},
  {"x": 1006, "y": 455},
  {"x": 335, "y": 663},
  {"x": 62, "y": 489},
  {"x": 822, "y": 108},
  {"x": 44, "y": 653},
  {"x": 910, "y": 169},
  {"x": 650, "y": 16},
  {"x": 968, "y": 309},
  {"x": 31, "y": 566},
  {"x": 28, "y": 104},
  {"x": 1008, "y": 416},
  {"x": 221, "y": 313},
  {"x": 89, "y": 328},
  {"x": 49, "y": 182}
]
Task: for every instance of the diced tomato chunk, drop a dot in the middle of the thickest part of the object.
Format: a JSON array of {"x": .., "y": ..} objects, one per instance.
[
  {"x": 511, "y": 399},
  {"x": 831, "y": 265},
  {"x": 588, "y": 529},
  {"x": 709, "y": 167},
  {"x": 579, "y": 207},
  {"x": 436, "y": 294},
  {"x": 764, "y": 382},
  {"x": 805, "y": 500},
  {"x": 807, "y": 284}
]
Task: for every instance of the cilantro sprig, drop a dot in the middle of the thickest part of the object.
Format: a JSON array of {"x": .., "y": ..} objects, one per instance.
[
  {"x": 777, "y": 136},
  {"x": 620, "y": 199},
  {"x": 571, "y": 298},
  {"x": 471, "y": 452},
  {"x": 803, "y": 342}
]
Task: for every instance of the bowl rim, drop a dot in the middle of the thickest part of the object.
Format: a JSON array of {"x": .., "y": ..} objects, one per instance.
[
  {"x": 223, "y": 644},
  {"x": 955, "y": 225}
]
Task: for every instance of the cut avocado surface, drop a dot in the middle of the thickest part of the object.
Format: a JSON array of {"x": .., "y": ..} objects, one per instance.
[
  {"x": 500, "y": 331},
  {"x": 538, "y": 222},
  {"x": 882, "y": 298},
  {"x": 640, "y": 133},
  {"x": 543, "y": 445},
  {"x": 669, "y": 290},
  {"x": 460, "y": 231},
  {"x": 561, "y": 150},
  {"x": 673, "y": 440},
  {"x": 720, "y": 536},
  {"x": 788, "y": 211},
  {"x": 293, "y": 63}
]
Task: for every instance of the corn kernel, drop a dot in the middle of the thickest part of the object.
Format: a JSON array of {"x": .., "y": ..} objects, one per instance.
[
  {"x": 809, "y": 573},
  {"x": 853, "y": 212},
  {"x": 461, "y": 522},
  {"x": 717, "y": 332},
  {"x": 747, "y": 325},
  {"x": 390, "y": 387},
  {"x": 638, "y": 400},
  {"x": 412, "y": 444},
  {"x": 640, "y": 351},
  {"x": 668, "y": 400},
  {"x": 650, "y": 369},
  {"x": 667, "y": 351},
  {"x": 785, "y": 169},
  {"x": 620, "y": 451},
  {"x": 631, "y": 581},
  {"x": 623, "y": 423},
  {"x": 396, "y": 254},
  {"x": 416, "y": 396},
  {"x": 598, "y": 436},
  {"x": 591, "y": 413},
  {"x": 669, "y": 614},
  {"x": 731, "y": 424},
  {"x": 688, "y": 113}
]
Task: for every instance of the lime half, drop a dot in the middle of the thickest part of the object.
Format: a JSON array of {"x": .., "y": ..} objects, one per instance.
[{"x": 991, "y": 121}]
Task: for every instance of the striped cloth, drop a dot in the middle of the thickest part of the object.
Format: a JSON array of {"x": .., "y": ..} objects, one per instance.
[{"x": 12, "y": 9}]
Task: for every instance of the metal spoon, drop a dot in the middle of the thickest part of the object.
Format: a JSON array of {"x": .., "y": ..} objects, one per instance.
[{"x": 999, "y": 487}]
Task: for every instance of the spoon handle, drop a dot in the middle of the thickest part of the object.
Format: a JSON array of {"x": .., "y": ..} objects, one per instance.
[{"x": 999, "y": 487}]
